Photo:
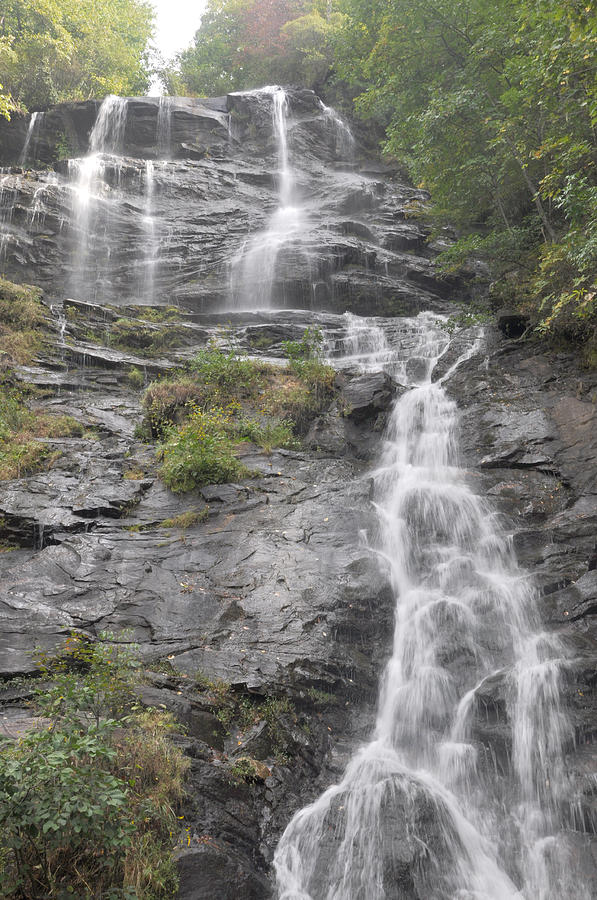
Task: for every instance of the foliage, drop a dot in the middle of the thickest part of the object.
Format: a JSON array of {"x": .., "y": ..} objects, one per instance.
[
  {"x": 226, "y": 375},
  {"x": 248, "y": 770},
  {"x": 243, "y": 711},
  {"x": 88, "y": 808},
  {"x": 144, "y": 340},
  {"x": 22, "y": 317},
  {"x": 267, "y": 434},
  {"x": 55, "y": 50},
  {"x": 61, "y": 812},
  {"x": 247, "y": 43},
  {"x": 200, "y": 452},
  {"x": 89, "y": 682},
  {"x": 187, "y": 519},
  {"x": 222, "y": 400},
  {"x": 135, "y": 378}
]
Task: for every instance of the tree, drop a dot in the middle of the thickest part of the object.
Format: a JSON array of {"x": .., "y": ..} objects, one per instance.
[
  {"x": 74, "y": 49},
  {"x": 492, "y": 107},
  {"x": 247, "y": 43}
]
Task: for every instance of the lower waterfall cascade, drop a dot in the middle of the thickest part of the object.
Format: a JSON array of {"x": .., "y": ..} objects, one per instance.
[{"x": 465, "y": 613}]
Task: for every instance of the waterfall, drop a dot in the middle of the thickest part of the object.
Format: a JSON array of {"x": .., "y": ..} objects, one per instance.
[
  {"x": 421, "y": 812},
  {"x": 91, "y": 211},
  {"x": 32, "y": 135},
  {"x": 8, "y": 194},
  {"x": 164, "y": 128},
  {"x": 149, "y": 228},
  {"x": 253, "y": 270},
  {"x": 344, "y": 142}
]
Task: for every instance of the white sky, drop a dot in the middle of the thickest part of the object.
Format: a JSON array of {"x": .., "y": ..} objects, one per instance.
[{"x": 176, "y": 23}]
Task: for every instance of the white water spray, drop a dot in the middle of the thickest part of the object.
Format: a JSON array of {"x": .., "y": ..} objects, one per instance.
[
  {"x": 253, "y": 271},
  {"x": 91, "y": 211},
  {"x": 418, "y": 813},
  {"x": 31, "y": 137}
]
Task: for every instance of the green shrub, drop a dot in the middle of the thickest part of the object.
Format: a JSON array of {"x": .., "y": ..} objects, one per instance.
[
  {"x": 64, "y": 816},
  {"x": 135, "y": 378},
  {"x": 21, "y": 306},
  {"x": 88, "y": 804},
  {"x": 200, "y": 452},
  {"x": 20, "y": 453},
  {"x": 226, "y": 375},
  {"x": 167, "y": 400},
  {"x": 309, "y": 346},
  {"x": 267, "y": 434}
]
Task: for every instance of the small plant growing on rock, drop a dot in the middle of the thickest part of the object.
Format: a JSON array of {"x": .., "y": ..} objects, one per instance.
[
  {"x": 248, "y": 770},
  {"x": 135, "y": 378}
]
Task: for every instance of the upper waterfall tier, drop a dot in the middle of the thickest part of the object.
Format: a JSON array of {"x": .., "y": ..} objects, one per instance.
[{"x": 257, "y": 199}]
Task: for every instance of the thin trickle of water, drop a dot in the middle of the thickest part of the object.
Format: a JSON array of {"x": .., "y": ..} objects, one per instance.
[
  {"x": 37, "y": 211},
  {"x": 8, "y": 194},
  {"x": 253, "y": 270},
  {"x": 416, "y": 814},
  {"x": 150, "y": 234},
  {"x": 344, "y": 142},
  {"x": 32, "y": 136},
  {"x": 164, "y": 128}
]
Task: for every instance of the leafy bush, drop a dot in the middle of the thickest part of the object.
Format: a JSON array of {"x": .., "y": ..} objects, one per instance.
[
  {"x": 62, "y": 811},
  {"x": 267, "y": 435},
  {"x": 21, "y": 306},
  {"x": 22, "y": 316},
  {"x": 135, "y": 378},
  {"x": 168, "y": 400},
  {"x": 87, "y": 805},
  {"x": 226, "y": 375},
  {"x": 200, "y": 452}
]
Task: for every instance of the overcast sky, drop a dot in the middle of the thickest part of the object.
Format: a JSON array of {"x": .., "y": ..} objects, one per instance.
[{"x": 176, "y": 23}]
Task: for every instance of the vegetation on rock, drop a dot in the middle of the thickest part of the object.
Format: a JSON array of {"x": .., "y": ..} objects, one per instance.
[
  {"x": 223, "y": 400},
  {"x": 22, "y": 317},
  {"x": 88, "y": 798},
  {"x": 21, "y": 450}
]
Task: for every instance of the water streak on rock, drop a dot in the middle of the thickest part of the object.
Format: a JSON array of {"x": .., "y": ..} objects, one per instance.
[{"x": 35, "y": 123}]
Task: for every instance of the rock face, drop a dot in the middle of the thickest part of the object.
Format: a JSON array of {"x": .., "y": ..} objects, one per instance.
[
  {"x": 192, "y": 181},
  {"x": 273, "y": 589}
]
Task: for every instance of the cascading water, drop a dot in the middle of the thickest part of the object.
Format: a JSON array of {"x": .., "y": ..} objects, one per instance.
[
  {"x": 422, "y": 813},
  {"x": 344, "y": 142},
  {"x": 31, "y": 137},
  {"x": 164, "y": 128},
  {"x": 92, "y": 209},
  {"x": 149, "y": 226},
  {"x": 253, "y": 271}
]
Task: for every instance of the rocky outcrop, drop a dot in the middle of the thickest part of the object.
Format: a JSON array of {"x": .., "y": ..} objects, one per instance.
[{"x": 168, "y": 219}]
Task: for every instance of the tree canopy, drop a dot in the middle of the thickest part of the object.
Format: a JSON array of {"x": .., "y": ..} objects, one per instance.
[
  {"x": 247, "y": 43},
  {"x": 53, "y": 50}
]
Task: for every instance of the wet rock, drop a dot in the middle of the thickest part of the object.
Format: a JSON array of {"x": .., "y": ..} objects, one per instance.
[
  {"x": 368, "y": 395},
  {"x": 200, "y": 722},
  {"x": 213, "y": 870},
  {"x": 221, "y": 160}
]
